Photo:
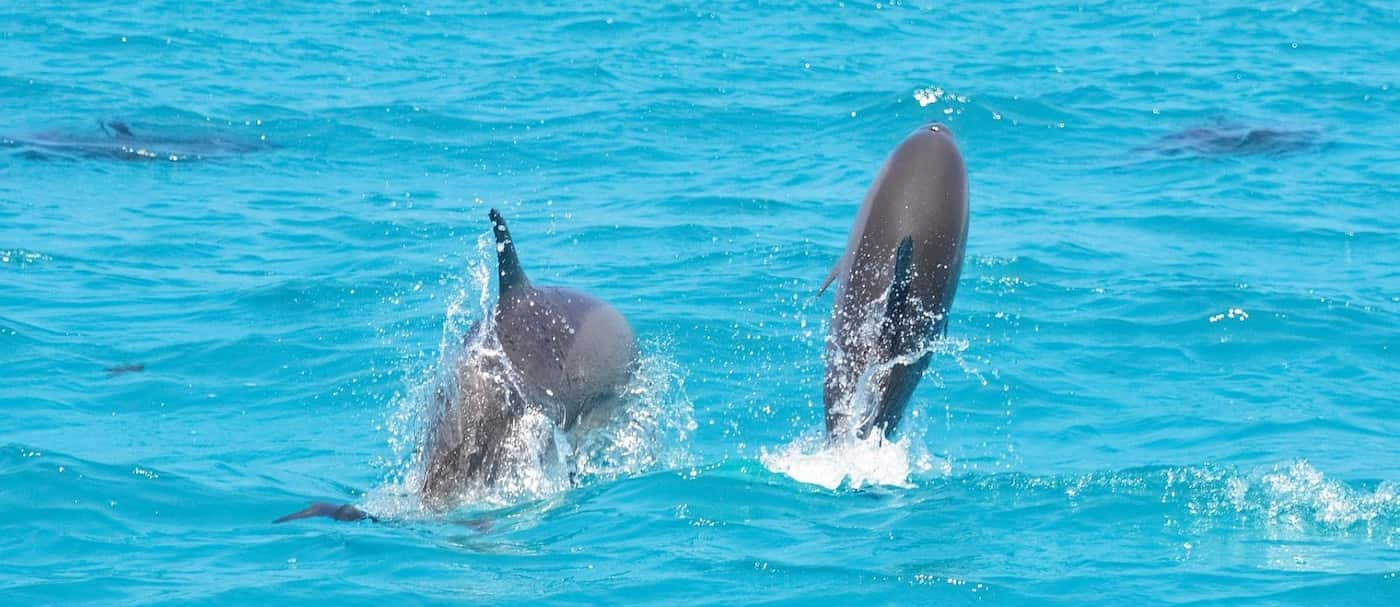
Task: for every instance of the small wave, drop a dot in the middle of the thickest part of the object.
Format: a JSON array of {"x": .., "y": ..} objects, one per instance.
[
  {"x": 22, "y": 257},
  {"x": 1298, "y": 494},
  {"x": 1292, "y": 498},
  {"x": 1287, "y": 499}
]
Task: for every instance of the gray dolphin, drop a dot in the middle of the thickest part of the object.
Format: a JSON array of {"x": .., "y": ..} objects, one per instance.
[
  {"x": 567, "y": 354},
  {"x": 117, "y": 141},
  {"x": 1232, "y": 138},
  {"x": 896, "y": 279},
  {"x": 556, "y": 351}
]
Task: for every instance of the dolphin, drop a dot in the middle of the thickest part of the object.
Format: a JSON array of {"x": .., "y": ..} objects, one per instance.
[
  {"x": 567, "y": 355},
  {"x": 117, "y": 141},
  {"x": 896, "y": 282},
  {"x": 1231, "y": 138},
  {"x": 556, "y": 352}
]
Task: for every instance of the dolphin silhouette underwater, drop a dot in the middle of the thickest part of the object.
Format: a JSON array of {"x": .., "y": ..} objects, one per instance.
[
  {"x": 1223, "y": 138},
  {"x": 896, "y": 282},
  {"x": 118, "y": 141},
  {"x": 554, "y": 351}
]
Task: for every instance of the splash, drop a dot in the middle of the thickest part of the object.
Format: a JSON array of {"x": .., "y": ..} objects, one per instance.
[
  {"x": 951, "y": 104},
  {"x": 1299, "y": 494},
  {"x": 854, "y": 463},
  {"x": 649, "y": 428},
  {"x": 648, "y": 432},
  {"x": 1288, "y": 500}
]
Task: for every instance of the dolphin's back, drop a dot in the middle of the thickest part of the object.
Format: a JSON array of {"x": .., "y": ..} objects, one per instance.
[{"x": 574, "y": 349}]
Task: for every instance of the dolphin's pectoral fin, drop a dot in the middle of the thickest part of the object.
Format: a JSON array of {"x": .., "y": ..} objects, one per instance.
[
  {"x": 512, "y": 276},
  {"x": 841, "y": 266},
  {"x": 830, "y": 278},
  {"x": 898, "y": 308},
  {"x": 343, "y": 512}
]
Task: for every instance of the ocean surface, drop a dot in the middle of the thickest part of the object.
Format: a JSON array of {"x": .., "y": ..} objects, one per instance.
[{"x": 1172, "y": 373}]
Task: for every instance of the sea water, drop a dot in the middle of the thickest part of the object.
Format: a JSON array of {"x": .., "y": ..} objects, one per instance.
[{"x": 1171, "y": 371}]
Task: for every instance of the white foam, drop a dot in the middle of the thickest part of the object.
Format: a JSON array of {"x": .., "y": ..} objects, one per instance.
[
  {"x": 853, "y": 462},
  {"x": 1298, "y": 492}
]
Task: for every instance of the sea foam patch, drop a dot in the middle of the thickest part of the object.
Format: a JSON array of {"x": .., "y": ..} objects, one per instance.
[{"x": 854, "y": 462}]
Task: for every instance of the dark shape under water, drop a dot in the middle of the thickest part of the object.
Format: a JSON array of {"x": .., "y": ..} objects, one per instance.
[
  {"x": 339, "y": 512},
  {"x": 124, "y": 369},
  {"x": 1230, "y": 138},
  {"x": 117, "y": 141}
]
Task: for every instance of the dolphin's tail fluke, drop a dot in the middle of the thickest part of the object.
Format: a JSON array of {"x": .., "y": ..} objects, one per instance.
[
  {"x": 511, "y": 275},
  {"x": 342, "y": 512}
]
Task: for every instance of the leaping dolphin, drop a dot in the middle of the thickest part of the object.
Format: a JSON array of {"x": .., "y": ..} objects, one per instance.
[
  {"x": 569, "y": 355},
  {"x": 896, "y": 282},
  {"x": 561, "y": 353}
]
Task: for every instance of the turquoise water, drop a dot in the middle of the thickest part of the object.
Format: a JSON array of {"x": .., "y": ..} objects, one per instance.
[{"x": 1171, "y": 377}]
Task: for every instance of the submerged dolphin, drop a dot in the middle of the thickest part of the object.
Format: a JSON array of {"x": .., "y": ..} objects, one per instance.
[
  {"x": 1230, "y": 138},
  {"x": 117, "y": 141},
  {"x": 562, "y": 354},
  {"x": 896, "y": 282}
]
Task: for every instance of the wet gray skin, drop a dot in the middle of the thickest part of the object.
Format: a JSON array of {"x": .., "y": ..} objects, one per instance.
[
  {"x": 556, "y": 351},
  {"x": 118, "y": 141},
  {"x": 896, "y": 282},
  {"x": 569, "y": 355}
]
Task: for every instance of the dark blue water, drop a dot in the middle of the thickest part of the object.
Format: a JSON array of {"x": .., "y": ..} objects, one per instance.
[{"x": 1172, "y": 370}]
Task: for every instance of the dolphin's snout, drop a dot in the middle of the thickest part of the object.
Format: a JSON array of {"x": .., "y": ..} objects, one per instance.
[{"x": 939, "y": 127}]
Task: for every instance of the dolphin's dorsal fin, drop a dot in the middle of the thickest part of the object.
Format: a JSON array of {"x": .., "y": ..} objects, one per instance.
[
  {"x": 508, "y": 264},
  {"x": 120, "y": 127},
  {"x": 897, "y": 300}
]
